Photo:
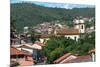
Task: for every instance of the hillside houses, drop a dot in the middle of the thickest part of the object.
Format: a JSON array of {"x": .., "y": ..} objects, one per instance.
[
  {"x": 57, "y": 29},
  {"x": 47, "y": 29},
  {"x": 72, "y": 58},
  {"x": 22, "y": 51},
  {"x": 21, "y": 58}
]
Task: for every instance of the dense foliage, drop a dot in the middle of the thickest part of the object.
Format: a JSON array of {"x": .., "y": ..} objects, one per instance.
[
  {"x": 58, "y": 46},
  {"x": 27, "y": 14},
  {"x": 89, "y": 24}
]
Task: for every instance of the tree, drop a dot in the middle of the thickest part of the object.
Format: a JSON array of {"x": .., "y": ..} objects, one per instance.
[
  {"x": 86, "y": 43},
  {"x": 58, "y": 46},
  {"x": 55, "y": 54},
  {"x": 12, "y": 24},
  {"x": 27, "y": 14}
]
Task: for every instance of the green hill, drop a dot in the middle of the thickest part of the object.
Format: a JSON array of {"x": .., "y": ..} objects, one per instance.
[{"x": 27, "y": 14}]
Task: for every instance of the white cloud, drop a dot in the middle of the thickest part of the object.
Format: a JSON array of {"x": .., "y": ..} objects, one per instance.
[
  {"x": 66, "y": 6},
  {"x": 90, "y": 2},
  {"x": 58, "y": 5}
]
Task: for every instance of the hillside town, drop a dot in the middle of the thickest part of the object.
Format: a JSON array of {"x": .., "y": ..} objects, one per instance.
[{"x": 26, "y": 47}]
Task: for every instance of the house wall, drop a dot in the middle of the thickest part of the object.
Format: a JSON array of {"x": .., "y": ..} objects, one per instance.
[
  {"x": 93, "y": 57},
  {"x": 29, "y": 50},
  {"x": 42, "y": 40},
  {"x": 82, "y": 30},
  {"x": 76, "y": 26},
  {"x": 79, "y": 26},
  {"x": 73, "y": 36}
]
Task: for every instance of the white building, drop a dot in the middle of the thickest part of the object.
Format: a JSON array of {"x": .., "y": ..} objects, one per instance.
[
  {"x": 60, "y": 30},
  {"x": 79, "y": 24},
  {"x": 26, "y": 29},
  {"x": 68, "y": 32}
]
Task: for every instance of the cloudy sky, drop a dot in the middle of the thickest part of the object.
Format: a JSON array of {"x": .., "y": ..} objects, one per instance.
[{"x": 58, "y": 5}]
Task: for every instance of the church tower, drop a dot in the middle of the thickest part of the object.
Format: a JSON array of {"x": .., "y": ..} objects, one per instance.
[{"x": 79, "y": 24}]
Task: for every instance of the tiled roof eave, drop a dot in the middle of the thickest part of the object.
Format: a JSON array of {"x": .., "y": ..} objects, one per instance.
[
  {"x": 62, "y": 58},
  {"x": 68, "y": 33}
]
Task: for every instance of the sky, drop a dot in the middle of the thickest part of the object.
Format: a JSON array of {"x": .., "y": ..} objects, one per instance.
[{"x": 53, "y": 5}]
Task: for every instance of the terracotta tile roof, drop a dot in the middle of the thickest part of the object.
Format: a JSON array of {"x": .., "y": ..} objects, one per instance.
[
  {"x": 26, "y": 63},
  {"x": 67, "y": 31},
  {"x": 92, "y": 51},
  {"x": 45, "y": 36},
  {"x": 80, "y": 59},
  {"x": 14, "y": 51},
  {"x": 42, "y": 35},
  {"x": 63, "y": 31},
  {"x": 27, "y": 53},
  {"x": 62, "y": 58}
]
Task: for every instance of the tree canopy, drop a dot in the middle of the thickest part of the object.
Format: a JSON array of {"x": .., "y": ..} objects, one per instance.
[
  {"x": 58, "y": 46},
  {"x": 27, "y": 14}
]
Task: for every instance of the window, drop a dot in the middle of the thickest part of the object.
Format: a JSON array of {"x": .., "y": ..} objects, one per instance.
[
  {"x": 82, "y": 27},
  {"x": 75, "y": 37}
]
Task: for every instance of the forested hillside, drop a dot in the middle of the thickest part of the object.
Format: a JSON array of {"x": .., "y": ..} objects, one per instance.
[{"x": 26, "y": 14}]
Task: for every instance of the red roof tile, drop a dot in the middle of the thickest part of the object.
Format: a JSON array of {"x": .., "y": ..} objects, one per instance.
[
  {"x": 14, "y": 51},
  {"x": 42, "y": 35},
  {"x": 27, "y": 53},
  {"x": 80, "y": 59},
  {"x": 26, "y": 63},
  {"x": 69, "y": 31},
  {"x": 62, "y": 58},
  {"x": 92, "y": 51}
]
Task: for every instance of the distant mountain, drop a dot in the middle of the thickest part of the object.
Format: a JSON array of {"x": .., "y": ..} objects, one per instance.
[
  {"x": 29, "y": 14},
  {"x": 62, "y": 5}
]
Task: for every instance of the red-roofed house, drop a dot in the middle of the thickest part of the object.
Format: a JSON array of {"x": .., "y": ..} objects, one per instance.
[
  {"x": 68, "y": 32},
  {"x": 86, "y": 58},
  {"x": 70, "y": 58},
  {"x": 65, "y": 57},
  {"x": 34, "y": 49},
  {"x": 21, "y": 56}
]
